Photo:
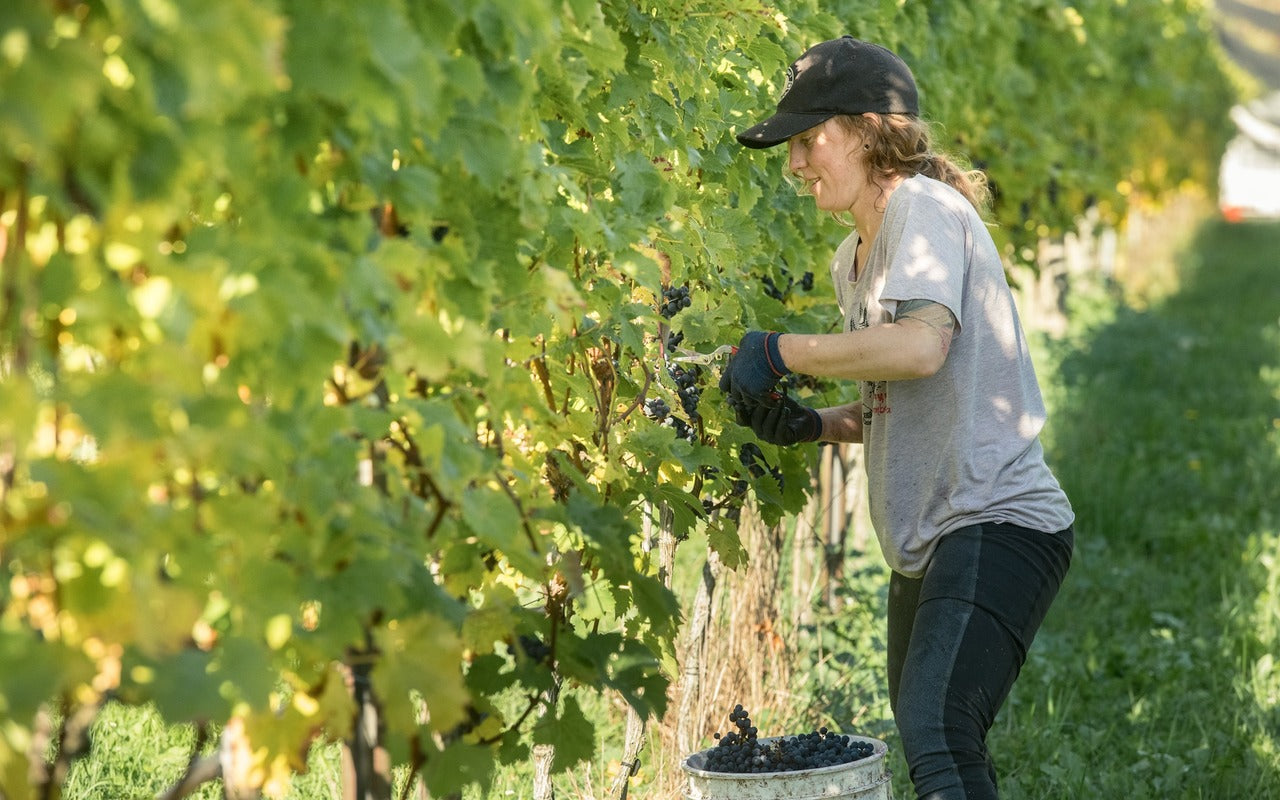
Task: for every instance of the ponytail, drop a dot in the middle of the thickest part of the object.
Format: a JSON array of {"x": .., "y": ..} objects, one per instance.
[{"x": 901, "y": 144}]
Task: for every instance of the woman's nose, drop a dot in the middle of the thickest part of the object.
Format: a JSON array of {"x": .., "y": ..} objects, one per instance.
[{"x": 795, "y": 158}]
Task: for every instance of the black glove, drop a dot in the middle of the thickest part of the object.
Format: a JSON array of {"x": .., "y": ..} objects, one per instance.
[
  {"x": 744, "y": 408},
  {"x": 755, "y": 368},
  {"x": 783, "y": 421}
]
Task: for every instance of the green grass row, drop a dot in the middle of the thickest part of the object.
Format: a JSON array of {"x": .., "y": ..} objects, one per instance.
[{"x": 1155, "y": 675}]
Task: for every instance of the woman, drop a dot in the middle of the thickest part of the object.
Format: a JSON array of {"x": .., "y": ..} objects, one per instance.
[{"x": 972, "y": 522}]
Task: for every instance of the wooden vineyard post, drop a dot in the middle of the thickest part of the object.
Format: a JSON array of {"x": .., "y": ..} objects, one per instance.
[
  {"x": 691, "y": 661},
  {"x": 366, "y": 764},
  {"x": 635, "y": 724},
  {"x": 544, "y": 755}
]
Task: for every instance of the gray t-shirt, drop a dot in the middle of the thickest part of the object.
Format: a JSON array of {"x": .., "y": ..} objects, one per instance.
[{"x": 961, "y": 446}]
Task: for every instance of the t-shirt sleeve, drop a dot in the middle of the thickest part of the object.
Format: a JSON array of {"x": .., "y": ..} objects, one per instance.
[{"x": 928, "y": 256}]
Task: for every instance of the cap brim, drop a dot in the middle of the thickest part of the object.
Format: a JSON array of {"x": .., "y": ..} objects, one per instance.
[{"x": 779, "y": 128}]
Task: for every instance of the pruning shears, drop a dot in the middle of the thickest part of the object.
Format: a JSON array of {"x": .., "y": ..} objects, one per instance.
[
  {"x": 705, "y": 359},
  {"x": 720, "y": 353}
]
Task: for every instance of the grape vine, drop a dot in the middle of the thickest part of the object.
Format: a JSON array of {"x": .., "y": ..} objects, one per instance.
[{"x": 335, "y": 337}]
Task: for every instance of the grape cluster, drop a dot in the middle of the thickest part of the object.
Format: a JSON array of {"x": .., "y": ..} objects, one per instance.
[
  {"x": 687, "y": 388},
  {"x": 656, "y": 409},
  {"x": 674, "y": 300},
  {"x": 771, "y": 287},
  {"x": 752, "y": 457},
  {"x": 742, "y": 751},
  {"x": 689, "y": 391},
  {"x": 534, "y": 647},
  {"x": 796, "y": 382},
  {"x": 735, "y": 498}
]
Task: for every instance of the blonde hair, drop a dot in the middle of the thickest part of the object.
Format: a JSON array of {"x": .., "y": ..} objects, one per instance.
[{"x": 902, "y": 144}]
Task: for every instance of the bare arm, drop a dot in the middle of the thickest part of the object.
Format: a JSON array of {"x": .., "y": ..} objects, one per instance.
[
  {"x": 842, "y": 423},
  {"x": 914, "y": 345}
]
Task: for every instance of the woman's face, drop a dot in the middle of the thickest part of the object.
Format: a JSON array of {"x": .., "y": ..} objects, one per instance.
[{"x": 827, "y": 158}]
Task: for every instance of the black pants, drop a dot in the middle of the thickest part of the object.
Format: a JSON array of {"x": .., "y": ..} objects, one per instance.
[{"x": 957, "y": 638}]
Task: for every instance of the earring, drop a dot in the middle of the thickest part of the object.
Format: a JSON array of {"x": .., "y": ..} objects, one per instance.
[{"x": 866, "y": 146}]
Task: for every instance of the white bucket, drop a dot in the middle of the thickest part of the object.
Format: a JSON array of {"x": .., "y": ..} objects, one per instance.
[{"x": 865, "y": 779}]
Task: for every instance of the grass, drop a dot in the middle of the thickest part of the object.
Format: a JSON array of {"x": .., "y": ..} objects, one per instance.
[
  {"x": 1154, "y": 676},
  {"x": 1157, "y": 673},
  {"x": 134, "y": 755}
]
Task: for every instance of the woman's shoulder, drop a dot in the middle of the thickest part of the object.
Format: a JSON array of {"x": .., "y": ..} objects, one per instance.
[
  {"x": 923, "y": 189},
  {"x": 932, "y": 200}
]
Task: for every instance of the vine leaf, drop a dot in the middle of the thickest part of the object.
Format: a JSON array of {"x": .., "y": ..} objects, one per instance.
[
  {"x": 570, "y": 731},
  {"x": 458, "y": 765},
  {"x": 181, "y": 689},
  {"x": 496, "y": 522},
  {"x": 420, "y": 656}
]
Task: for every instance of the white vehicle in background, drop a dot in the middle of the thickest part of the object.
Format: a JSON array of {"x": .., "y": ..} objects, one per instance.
[{"x": 1249, "y": 179}]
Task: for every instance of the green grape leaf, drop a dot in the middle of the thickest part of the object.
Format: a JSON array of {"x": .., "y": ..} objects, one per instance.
[
  {"x": 34, "y": 670},
  {"x": 421, "y": 655},
  {"x": 314, "y": 37},
  {"x": 184, "y": 687},
  {"x": 640, "y": 267},
  {"x": 723, "y": 538},
  {"x": 246, "y": 670},
  {"x": 686, "y": 509},
  {"x": 599, "y": 601},
  {"x": 569, "y": 730},
  {"x": 488, "y": 675},
  {"x": 492, "y": 518},
  {"x": 607, "y": 530},
  {"x": 657, "y": 604},
  {"x": 636, "y": 674},
  {"x": 459, "y": 765},
  {"x": 493, "y": 622}
]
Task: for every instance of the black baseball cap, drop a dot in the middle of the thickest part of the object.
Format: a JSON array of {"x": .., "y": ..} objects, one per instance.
[{"x": 841, "y": 76}]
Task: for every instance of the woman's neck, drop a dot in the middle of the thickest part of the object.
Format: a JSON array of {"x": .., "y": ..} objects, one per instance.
[{"x": 868, "y": 216}]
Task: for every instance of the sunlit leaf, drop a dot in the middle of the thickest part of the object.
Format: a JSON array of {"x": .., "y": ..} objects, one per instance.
[{"x": 420, "y": 656}]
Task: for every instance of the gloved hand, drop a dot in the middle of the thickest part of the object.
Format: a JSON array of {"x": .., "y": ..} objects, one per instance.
[
  {"x": 743, "y": 409},
  {"x": 755, "y": 368},
  {"x": 784, "y": 421}
]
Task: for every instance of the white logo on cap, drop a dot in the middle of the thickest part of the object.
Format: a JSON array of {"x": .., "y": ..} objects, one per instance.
[{"x": 792, "y": 72}]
